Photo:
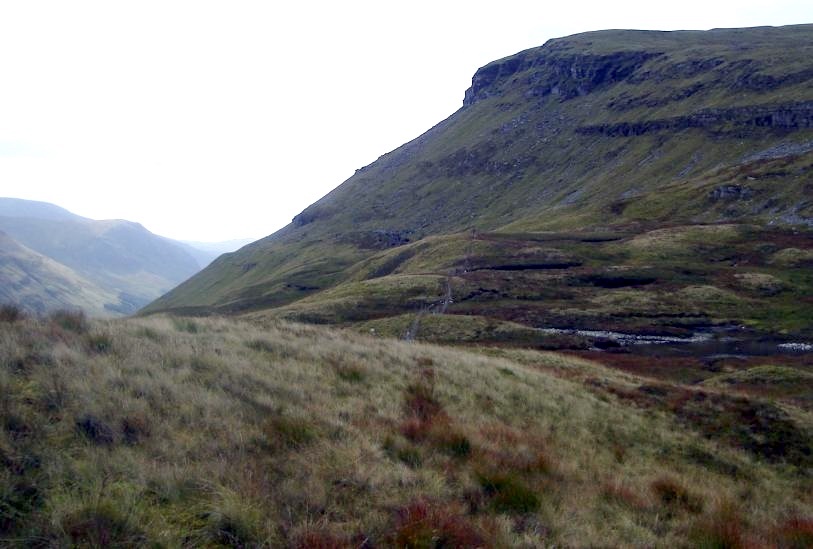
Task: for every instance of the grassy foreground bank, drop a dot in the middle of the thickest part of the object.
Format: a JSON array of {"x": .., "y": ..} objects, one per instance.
[{"x": 177, "y": 432}]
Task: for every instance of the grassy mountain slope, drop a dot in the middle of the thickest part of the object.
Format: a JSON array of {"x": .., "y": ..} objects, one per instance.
[
  {"x": 40, "y": 284},
  {"x": 207, "y": 432},
  {"x": 126, "y": 262},
  {"x": 557, "y": 179}
]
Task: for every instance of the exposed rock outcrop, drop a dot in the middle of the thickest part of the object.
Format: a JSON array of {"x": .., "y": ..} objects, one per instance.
[
  {"x": 791, "y": 116},
  {"x": 731, "y": 192},
  {"x": 380, "y": 239},
  {"x": 565, "y": 76}
]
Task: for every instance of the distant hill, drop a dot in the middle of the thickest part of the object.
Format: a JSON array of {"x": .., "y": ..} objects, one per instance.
[
  {"x": 40, "y": 284},
  {"x": 17, "y": 207},
  {"x": 630, "y": 180},
  {"x": 222, "y": 247},
  {"x": 119, "y": 264}
]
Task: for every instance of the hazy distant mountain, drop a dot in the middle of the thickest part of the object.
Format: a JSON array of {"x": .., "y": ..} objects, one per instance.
[
  {"x": 630, "y": 180},
  {"x": 39, "y": 284},
  {"x": 223, "y": 247},
  {"x": 206, "y": 252},
  {"x": 126, "y": 264},
  {"x": 17, "y": 207}
]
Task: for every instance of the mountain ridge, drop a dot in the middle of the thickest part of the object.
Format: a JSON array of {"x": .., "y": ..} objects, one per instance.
[
  {"x": 616, "y": 132},
  {"x": 20, "y": 207}
]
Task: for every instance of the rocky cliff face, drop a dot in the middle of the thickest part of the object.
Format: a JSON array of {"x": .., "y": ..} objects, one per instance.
[
  {"x": 545, "y": 73},
  {"x": 740, "y": 121},
  {"x": 561, "y": 68},
  {"x": 554, "y": 70}
]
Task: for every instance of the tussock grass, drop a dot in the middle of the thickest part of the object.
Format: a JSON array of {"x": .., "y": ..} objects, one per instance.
[
  {"x": 792, "y": 257},
  {"x": 11, "y": 313},
  {"x": 74, "y": 321},
  {"x": 150, "y": 432}
]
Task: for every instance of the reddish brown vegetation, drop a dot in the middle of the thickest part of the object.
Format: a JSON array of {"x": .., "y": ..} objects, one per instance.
[
  {"x": 622, "y": 494},
  {"x": 691, "y": 370},
  {"x": 680, "y": 369},
  {"x": 421, "y": 408},
  {"x": 723, "y": 528},
  {"x": 795, "y": 533},
  {"x": 522, "y": 460},
  {"x": 501, "y": 434},
  {"x": 426, "y": 421},
  {"x": 316, "y": 539},
  {"x": 422, "y": 524},
  {"x": 753, "y": 425},
  {"x": 675, "y": 495},
  {"x": 516, "y": 451},
  {"x": 420, "y": 399},
  {"x": 135, "y": 428}
]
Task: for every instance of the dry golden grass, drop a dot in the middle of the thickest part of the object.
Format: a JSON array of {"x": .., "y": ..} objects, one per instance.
[
  {"x": 680, "y": 236},
  {"x": 186, "y": 432},
  {"x": 760, "y": 282},
  {"x": 792, "y": 257}
]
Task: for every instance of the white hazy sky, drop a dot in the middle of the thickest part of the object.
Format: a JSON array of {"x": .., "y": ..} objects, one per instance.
[{"x": 215, "y": 120}]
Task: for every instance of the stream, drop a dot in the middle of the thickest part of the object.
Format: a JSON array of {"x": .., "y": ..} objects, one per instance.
[{"x": 707, "y": 342}]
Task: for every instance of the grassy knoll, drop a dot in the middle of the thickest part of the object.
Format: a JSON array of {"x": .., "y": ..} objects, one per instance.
[{"x": 170, "y": 431}]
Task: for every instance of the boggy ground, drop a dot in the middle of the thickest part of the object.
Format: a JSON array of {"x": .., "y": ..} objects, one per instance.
[
  {"x": 171, "y": 432},
  {"x": 507, "y": 288}
]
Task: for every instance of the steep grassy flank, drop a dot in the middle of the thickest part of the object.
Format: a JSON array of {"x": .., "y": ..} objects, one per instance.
[
  {"x": 39, "y": 284},
  {"x": 195, "y": 432},
  {"x": 607, "y": 133},
  {"x": 239, "y": 281}
]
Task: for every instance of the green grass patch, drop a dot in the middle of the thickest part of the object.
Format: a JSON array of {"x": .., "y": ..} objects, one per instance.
[
  {"x": 186, "y": 325},
  {"x": 73, "y": 321},
  {"x": 290, "y": 432},
  {"x": 507, "y": 493}
]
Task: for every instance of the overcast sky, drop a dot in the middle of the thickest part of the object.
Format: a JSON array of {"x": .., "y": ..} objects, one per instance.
[{"x": 218, "y": 120}]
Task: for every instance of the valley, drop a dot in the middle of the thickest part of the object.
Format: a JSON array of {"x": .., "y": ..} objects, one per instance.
[
  {"x": 625, "y": 181},
  {"x": 52, "y": 259},
  {"x": 577, "y": 312}
]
